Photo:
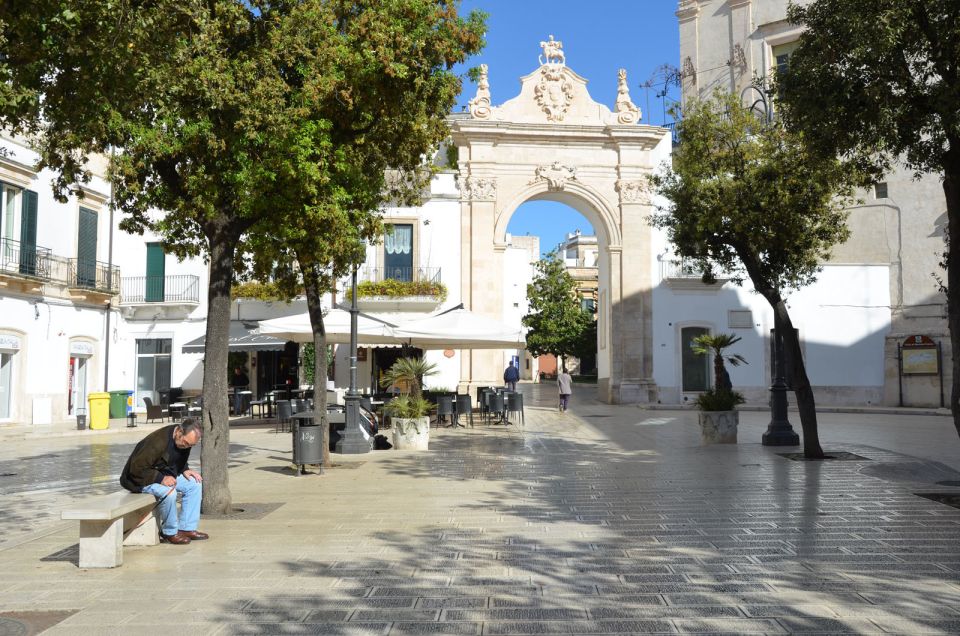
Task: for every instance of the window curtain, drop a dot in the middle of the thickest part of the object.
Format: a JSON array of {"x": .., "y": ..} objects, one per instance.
[{"x": 400, "y": 240}]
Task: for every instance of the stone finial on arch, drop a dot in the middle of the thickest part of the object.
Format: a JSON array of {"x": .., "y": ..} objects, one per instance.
[
  {"x": 556, "y": 175},
  {"x": 627, "y": 111},
  {"x": 480, "y": 105}
]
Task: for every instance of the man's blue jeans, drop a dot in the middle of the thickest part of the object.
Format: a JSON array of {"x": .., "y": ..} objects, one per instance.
[{"x": 189, "y": 517}]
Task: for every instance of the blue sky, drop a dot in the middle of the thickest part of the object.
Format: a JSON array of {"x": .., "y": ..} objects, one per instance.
[{"x": 599, "y": 37}]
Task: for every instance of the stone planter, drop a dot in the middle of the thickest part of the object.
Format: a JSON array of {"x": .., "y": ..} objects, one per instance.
[
  {"x": 719, "y": 427},
  {"x": 411, "y": 433}
]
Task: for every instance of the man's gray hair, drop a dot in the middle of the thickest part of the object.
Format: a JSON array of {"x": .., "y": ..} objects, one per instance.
[{"x": 189, "y": 424}]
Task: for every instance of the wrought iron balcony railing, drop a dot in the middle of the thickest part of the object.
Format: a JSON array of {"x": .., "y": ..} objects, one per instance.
[
  {"x": 86, "y": 273},
  {"x": 136, "y": 290},
  {"x": 680, "y": 268},
  {"x": 405, "y": 274},
  {"x": 25, "y": 259}
]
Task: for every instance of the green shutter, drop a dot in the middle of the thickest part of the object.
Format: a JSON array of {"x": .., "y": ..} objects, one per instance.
[
  {"x": 155, "y": 273},
  {"x": 87, "y": 249},
  {"x": 28, "y": 234}
]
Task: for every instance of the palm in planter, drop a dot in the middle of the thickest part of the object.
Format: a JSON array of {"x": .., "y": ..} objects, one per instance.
[
  {"x": 409, "y": 412},
  {"x": 718, "y": 417}
]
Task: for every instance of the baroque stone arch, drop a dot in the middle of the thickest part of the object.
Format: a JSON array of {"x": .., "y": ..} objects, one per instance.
[{"x": 554, "y": 142}]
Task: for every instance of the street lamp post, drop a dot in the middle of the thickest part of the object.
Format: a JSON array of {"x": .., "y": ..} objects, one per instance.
[
  {"x": 353, "y": 442},
  {"x": 779, "y": 431}
]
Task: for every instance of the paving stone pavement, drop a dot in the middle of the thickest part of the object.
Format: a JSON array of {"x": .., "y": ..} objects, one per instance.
[{"x": 603, "y": 520}]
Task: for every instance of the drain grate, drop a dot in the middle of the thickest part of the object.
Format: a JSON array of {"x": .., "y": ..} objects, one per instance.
[
  {"x": 948, "y": 483},
  {"x": 30, "y": 623},
  {"x": 828, "y": 456},
  {"x": 8, "y": 474},
  {"x": 948, "y": 499},
  {"x": 246, "y": 512}
]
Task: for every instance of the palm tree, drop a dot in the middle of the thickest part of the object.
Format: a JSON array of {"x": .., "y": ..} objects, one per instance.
[
  {"x": 409, "y": 371},
  {"x": 715, "y": 343}
]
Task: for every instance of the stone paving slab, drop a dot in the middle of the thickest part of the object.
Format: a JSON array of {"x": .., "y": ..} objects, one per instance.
[{"x": 574, "y": 524}]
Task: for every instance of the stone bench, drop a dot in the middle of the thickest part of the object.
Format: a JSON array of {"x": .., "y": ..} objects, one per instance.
[{"x": 109, "y": 522}]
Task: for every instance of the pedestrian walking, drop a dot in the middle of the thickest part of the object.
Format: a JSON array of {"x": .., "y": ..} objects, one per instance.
[
  {"x": 158, "y": 465},
  {"x": 511, "y": 375},
  {"x": 565, "y": 384}
]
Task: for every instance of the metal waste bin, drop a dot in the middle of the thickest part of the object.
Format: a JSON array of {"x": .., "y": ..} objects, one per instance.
[
  {"x": 99, "y": 410},
  {"x": 307, "y": 441},
  {"x": 120, "y": 404}
]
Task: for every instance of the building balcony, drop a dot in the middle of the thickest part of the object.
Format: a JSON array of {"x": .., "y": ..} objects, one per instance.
[
  {"x": 167, "y": 295},
  {"x": 90, "y": 276},
  {"x": 687, "y": 274},
  {"x": 399, "y": 289},
  {"x": 25, "y": 267}
]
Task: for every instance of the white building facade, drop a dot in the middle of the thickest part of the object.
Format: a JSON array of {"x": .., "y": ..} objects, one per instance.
[{"x": 876, "y": 292}]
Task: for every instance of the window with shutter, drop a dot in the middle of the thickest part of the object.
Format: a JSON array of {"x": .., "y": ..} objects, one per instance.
[
  {"x": 87, "y": 249},
  {"x": 28, "y": 234},
  {"x": 156, "y": 272}
]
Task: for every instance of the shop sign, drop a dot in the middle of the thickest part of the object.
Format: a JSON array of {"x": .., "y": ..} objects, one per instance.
[
  {"x": 81, "y": 348},
  {"x": 9, "y": 342}
]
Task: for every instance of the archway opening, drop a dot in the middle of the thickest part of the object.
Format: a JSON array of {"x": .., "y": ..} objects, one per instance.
[{"x": 536, "y": 230}]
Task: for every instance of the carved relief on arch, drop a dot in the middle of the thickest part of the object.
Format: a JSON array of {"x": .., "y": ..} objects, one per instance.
[
  {"x": 554, "y": 92},
  {"x": 556, "y": 175},
  {"x": 633, "y": 191},
  {"x": 478, "y": 189}
]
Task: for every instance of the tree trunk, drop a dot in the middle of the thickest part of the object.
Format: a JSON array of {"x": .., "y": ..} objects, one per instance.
[
  {"x": 315, "y": 310},
  {"x": 215, "y": 451},
  {"x": 951, "y": 190},
  {"x": 720, "y": 373},
  {"x": 801, "y": 383}
]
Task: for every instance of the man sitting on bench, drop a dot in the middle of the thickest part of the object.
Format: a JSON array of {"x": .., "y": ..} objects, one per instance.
[{"x": 158, "y": 465}]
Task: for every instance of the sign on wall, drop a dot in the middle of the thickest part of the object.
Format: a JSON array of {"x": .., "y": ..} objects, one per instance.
[
  {"x": 79, "y": 348},
  {"x": 919, "y": 356},
  {"x": 9, "y": 343}
]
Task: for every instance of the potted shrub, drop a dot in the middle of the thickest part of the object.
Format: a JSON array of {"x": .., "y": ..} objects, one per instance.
[
  {"x": 719, "y": 418},
  {"x": 409, "y": 413}
]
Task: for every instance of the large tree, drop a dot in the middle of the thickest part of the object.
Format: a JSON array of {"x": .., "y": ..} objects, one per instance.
[
  {"x": 556, "y": 321},
  {"x": 224, "y": 112},
  {"x": 878, "y": 81},
  {"x": 748, "y": 198}
]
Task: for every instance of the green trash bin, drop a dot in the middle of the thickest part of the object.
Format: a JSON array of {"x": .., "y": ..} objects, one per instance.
[{"x": 118, "y": 404}]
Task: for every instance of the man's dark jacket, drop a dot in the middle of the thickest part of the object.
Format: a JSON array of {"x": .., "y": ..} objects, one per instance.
[
  {"x": 512, "y": 374},
  {"x": 155, "y": 457}
]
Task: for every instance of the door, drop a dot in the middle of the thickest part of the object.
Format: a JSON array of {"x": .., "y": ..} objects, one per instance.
[
  {"x": 87, "y": 249},
  {"x": 153, "y": 368},
  {"x": 156, "y": 272},
  {"x": 695, "y": 368},
  {"x": 78, "y": 385},
  {"x": 6, "y": 385}
]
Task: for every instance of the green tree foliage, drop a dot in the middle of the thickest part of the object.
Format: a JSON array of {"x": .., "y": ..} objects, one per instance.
[
  {"x": 748, "y": 198},
  {"x": 234, "y": 117},
  {"x": 408, "y": 374},
  {"x": 878, "y": 81},
  {"x": 556, "y": 321}
]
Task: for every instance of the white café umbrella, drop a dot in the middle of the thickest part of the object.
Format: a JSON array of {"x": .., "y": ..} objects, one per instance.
[
  {"x": 337, "y": 326},
  {"x": 460, "y": 328}
]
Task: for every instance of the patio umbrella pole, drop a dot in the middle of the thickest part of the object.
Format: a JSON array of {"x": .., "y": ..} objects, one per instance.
[{"x": 352, "y": 442}]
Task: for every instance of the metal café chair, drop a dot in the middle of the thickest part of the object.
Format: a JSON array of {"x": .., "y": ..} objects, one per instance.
[
  {"x": 284, "y": 414},
  {"x": 464, "y": 406},
  {"x": 495, "y": 406},
  {"x": 445, "y": 408},
  {"x": 485, "y": 402},
  {"x": 515, "y": 405}
]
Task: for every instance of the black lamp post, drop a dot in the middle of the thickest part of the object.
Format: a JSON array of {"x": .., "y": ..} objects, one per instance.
[
  {"x": 779, "y": 431},
  {"x": 353, "y": 442}
]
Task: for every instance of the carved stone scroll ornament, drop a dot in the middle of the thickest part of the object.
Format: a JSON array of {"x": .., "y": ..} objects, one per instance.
[
  {"x": 480, "y": 105},
  {"x": 688, "y": 71},
  {"x": 634, "y": 191},
  {"x": 553, "y": 93},
  {"x": 556, "y": 175},
  {"x": 479, "y": 189},
  {"x": 627, "y": 111}
]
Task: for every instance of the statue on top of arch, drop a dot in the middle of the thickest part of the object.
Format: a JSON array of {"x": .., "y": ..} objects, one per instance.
[{"x": 552, "y": 52}]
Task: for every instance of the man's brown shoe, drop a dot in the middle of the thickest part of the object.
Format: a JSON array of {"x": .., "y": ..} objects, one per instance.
[
  {"x": 194, "y": 535},
  {"x": 179, "y": 539}
]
